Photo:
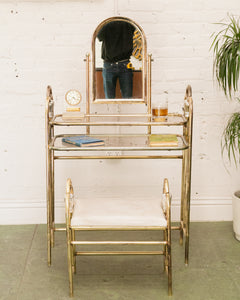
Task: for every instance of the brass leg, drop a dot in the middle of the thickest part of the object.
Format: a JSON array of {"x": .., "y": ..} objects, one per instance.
[
  {"x": 52, "y": 199},
  {"x": 168, "y": 259},
  {"x": 183, "y": 195},
  {"x": 187, "y": 232},
  {"x": 69, "y": 251},
  {"x": 169, "y": 248},
  {"x": 49, "y": 207},
  {"x": 188, "y": 196},
  {"x": 73, "y": 253},
  {"x": 169, "y": 271},
  {"x": 186, "y": 249},
  {"x": 48, "y": 232},
  {"x": 165, "y": 251}
]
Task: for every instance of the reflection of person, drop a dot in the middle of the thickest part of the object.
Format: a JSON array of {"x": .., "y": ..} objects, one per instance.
[{"x": 117, "y": 47}]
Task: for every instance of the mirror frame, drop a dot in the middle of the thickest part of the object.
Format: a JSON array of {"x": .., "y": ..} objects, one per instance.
[{"x": 144, "y": 64}]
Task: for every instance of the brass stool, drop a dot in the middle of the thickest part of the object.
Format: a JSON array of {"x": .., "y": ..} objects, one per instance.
[{"x": 106, "y": 215}]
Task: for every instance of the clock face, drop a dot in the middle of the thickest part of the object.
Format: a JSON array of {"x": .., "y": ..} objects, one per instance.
[{"x": 73, "y": 97}]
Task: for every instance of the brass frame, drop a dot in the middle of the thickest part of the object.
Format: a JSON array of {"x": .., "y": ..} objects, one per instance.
[
  {"x": 72, "y": 243},
  {"x": 186, "y": 122},
  {"x": 144, "y": 63},
  {"x": 186, "y": 172},
  {"x": 186, "y": 156}
]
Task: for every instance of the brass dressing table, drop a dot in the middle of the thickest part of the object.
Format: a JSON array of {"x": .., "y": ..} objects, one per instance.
[{"x": 131, "y": 145}]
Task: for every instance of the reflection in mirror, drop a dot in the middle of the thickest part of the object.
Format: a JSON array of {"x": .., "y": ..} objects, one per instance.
[{"x": 118, "y": 61}]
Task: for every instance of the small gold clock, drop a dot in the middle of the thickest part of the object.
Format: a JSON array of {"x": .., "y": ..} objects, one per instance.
[{"x": 73, "y": 97}]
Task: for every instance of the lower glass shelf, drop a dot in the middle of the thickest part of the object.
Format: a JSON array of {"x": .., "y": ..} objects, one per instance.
[{"x": 117, "y": 142}]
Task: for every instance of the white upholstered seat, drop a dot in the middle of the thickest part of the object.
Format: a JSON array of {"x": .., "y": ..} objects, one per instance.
[{"x": 118, "y": 212}]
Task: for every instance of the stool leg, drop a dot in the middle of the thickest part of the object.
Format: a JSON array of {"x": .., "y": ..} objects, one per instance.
[
  {"x": 186, "y": 248},
  {"x": 169, "y": 258},
  {"x": 169, "y": 273},
  {"x": 49, "y": 244},
  {"x": 69, "y": 252},
  {"x": 52, "y": 200},
  {"x": 183, "y": 196},
  {"x": 73, "y": 253},
  {"x": 165, "y": 250}
]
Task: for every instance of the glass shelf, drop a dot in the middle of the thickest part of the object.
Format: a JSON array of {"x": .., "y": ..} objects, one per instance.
[
  {"x": 119, "y": 120},
  {"x": 117, "y": 142}
]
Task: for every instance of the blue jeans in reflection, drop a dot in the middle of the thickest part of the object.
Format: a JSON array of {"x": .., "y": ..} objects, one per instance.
[{"x": 112, "y": 72}]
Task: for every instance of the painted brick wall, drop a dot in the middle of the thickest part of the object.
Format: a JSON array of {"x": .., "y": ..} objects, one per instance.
[{"x": 45, "y": 42}]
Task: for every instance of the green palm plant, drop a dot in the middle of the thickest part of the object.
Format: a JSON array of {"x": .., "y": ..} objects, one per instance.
[{"x": 226, "y": 67}]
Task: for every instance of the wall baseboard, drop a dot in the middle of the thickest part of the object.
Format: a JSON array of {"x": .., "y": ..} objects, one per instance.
[{"x": 20, "y": 212}]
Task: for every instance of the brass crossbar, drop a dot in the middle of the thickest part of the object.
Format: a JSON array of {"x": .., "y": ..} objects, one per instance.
[
  {"x": 64, "y": 229},
  {"x": 121, "y": 228},
  {"x": 60, "y": 229},
  {"x": 78, "y": 253},
  {"x": 176, "y": 227},
  {"x": 120, "y": 157},
  {"x": 118, "y": 243}
]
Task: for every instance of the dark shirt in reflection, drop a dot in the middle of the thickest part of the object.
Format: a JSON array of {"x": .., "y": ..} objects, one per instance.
[{"x": 117, "y": 41}]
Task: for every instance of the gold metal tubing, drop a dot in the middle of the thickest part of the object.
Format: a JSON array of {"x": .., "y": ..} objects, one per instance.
[
  {"x": 52, "y": 192},
  {"x": 176, "y": 227},
  {"x": 60, "y": 229},
  {"x": 120, "y": 157},
  {"x": 116, "y": 135},
  {"x": 165, "y": 261},
  {"x": 183, "y": 194},
  {"x": 117, "y": 228},
  {"x": 170, "y": 277},
  {"x": 183, "y": 226},
  {"x": 87, "y": 90},
  {"x": 128, "y": 115},
  {"x": 52, "y": 235},
  {"x": 49, "y": 210},
  {"x": 125, "y": 115},
  {"x": 70, "y": 271},
  {"x": 118, "y": 243},
  {"x": 51, "y": 204},
  {"x": 188, "y": 174},
  {"x": 149, "y": 83},
  {"x": 184, "y": 231},
  {"x": 73, "y": 252},
  {"x": 78, "y": 253},
  {"x": 168, "y": 231},
  {"x": 47, "y": 173},
  {"x": 186, "y": 207},
  {"x": 85, "y": 123},
  {"x": 187, "y": 249},
  {"x": 49, "y": 113},
  {"x": 69, "y": 190},
  {"x": 184, "y": 120},
  {"x": 149, "y": 89}
]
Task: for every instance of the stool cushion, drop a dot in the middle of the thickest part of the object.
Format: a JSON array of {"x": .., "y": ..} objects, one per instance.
[{"x": 118, "y": 212}]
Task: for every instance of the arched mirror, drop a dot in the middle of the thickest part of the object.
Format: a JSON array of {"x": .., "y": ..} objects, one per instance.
[{"x": 119, "y": 62}]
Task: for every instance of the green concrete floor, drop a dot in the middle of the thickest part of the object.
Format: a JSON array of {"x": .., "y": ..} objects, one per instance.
[{"x": 213, "y": 271}]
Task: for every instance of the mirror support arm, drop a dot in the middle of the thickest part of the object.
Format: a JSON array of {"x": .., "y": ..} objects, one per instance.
[
  {"x": 149, "y": 79},
  {"x": 87, "y": 89}
]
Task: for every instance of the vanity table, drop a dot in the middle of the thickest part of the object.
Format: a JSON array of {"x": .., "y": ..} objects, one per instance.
[{"x": 130, "y": 145}]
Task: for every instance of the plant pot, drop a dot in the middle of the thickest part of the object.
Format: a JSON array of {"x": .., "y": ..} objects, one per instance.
[{"x": 236, "y": 214}]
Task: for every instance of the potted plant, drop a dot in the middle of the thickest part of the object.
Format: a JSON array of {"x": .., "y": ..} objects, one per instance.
[{"x": 226, "y": 66}]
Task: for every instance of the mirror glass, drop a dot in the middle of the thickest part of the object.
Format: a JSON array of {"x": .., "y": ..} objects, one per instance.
[{"x": 118, "y": 61}]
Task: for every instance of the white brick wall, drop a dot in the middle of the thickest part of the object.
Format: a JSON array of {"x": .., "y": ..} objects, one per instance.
[{"x": 45, "y": 42}]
